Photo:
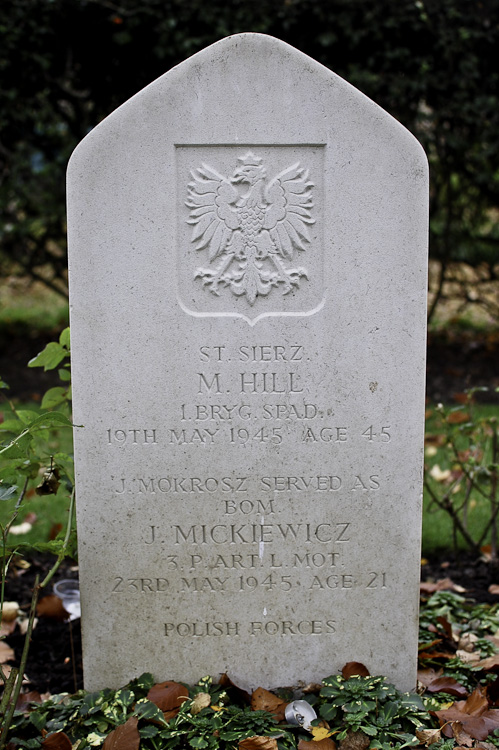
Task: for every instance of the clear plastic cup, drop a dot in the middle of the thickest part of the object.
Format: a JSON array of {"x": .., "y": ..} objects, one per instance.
[{"x": 68, "y": 590}]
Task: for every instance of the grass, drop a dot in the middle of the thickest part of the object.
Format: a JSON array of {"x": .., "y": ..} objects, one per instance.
[
  {"x": 31, "y": 308},
  {"x": 442, "y": 472}
]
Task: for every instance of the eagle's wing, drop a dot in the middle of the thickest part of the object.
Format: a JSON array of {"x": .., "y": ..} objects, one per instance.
[
  {"x": 289, "y": 196},
  {"x": 211, "y": 200}
]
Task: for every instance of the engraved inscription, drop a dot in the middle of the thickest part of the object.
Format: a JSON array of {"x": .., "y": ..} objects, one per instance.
[
  {"x": 250, "y": 224},
  {"x": 254, "y": 628}
]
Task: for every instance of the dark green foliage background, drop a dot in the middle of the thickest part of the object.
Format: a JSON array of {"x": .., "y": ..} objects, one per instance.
[{"x": 66, "y": 64}]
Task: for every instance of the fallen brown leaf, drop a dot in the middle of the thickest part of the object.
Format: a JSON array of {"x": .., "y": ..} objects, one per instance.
[
  {"x": 426, "y": 676},
  {"x": 467, "y": 642},
  {"x": 428, "y": 736},
  {"x": 462, "y": 738},
  {"x": 6, "y": 653},
  {"x": 444, "y": 584},
  {"x": 168, "y": 697},
  {"x": 489, "y": 663},
  {"x": 51, "y": 606},
  {"x": 264, "y": 700},
  {"x": 326, "y": 744},
  {"x": 447, "y": 627},
  {"x": 56, "y": 528},
  {"x": 458, "y": 417},
  {"x": 200, "y": 701},
  {"x": 227, "y": 683},
  {"x": 439, "y": 439},
  {"x": 476, "y": 703},
  {"x": 312, "y": 687},
  {"x": 9, "y": 611},
  {"x": 124, "y": 737},
  {"x": 57, "y": 741},
  {"x": 474, "y": 714},
  {"x": 32, "y": 696},
  {"x": 354, "y": 668},
  {"x": 461, "y": 398},
  {"x": 7, "y": 628},
  {"x": 447, "y": 685},
  {"x": 468, "y": 657},
  {"x": 258, "y": 743}
]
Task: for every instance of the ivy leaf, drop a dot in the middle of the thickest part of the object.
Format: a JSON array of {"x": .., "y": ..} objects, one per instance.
[{"x": 145, "y": 709}]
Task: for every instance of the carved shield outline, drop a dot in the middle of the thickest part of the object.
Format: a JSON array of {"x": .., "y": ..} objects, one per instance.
[{"x": 192, "y": 295}]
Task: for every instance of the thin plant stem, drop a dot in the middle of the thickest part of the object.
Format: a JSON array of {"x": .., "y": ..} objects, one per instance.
[
  {"x": 22, "y": 666},
  {"x": 7, "y": 690},
  {"x": 62, "y": 553}
]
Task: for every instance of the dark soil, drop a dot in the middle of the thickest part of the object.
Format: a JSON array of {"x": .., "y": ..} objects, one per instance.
[
  {"x": 472, "y": 574},
  {"x": 54, "y": 661},
  {"x": 457, "y": 361},
  {"x": 16, "y": 350}
]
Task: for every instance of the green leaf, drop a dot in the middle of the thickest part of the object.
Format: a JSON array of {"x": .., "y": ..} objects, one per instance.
[
  {"x": 124, "y": 697},
  {"x": 54, "y": 547},
  {"x": 26, "y": 416},
  {"x": 50, "y": 419},
  {"x": 6, "y": 491},
  {"x": 369, "y": 730},
  {"x": 11, "y": 425},
  {"x": 148, "y": 731},
  {"x": 95, "y": 739},
  {"x": 328, "y": 711},
  {"x": 64, "y": 375},
  {"x": 3, "y": 384},
  {"x": 64, "y": 338},
  {"x": 38, "y": 720},
  {"x": 145, "y": 681},
  {"x": 198, "y": 742},
  {"x": 17, "y": 448},
  {"x": 54, "y": 396},
  {"x": 147, "y": 710},
  {"x": 50, "y": 357}
]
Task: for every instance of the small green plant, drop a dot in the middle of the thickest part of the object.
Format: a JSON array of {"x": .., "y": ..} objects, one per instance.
[
  {"x": 374, "y": 707},
  {"x": 88, "y": 718},
  {"x": 370, "y": 705},
  {"x": 470, "y": 479},
  {"x": 25, "y": 454}
]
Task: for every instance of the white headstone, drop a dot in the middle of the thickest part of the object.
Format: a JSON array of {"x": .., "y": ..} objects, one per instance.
[{"x": 247, "y": 241}]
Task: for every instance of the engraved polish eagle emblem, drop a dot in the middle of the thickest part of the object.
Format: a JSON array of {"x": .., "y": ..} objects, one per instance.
[{"x": 251, "y": 226}]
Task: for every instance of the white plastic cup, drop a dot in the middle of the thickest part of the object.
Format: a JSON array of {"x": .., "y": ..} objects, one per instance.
[{"x": 68, "y": 590}]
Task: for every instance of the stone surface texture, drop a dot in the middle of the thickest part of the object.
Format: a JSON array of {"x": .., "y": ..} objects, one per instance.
[{"x": 247, "y": 240}]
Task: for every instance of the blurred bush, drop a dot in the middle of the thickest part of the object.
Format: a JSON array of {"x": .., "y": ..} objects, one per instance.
[{"x": 433, "y": 64}]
